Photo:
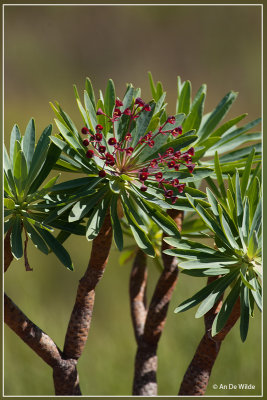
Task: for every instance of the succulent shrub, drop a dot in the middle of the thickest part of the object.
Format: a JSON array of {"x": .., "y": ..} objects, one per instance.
[
  {"x": 124, "y": 149},
  {"x": 235, "y": 220},
  {"x": 25, "y": 170}
]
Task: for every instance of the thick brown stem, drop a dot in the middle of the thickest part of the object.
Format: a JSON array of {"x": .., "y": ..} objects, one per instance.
[
  {"x": 81, "y": 316},
  {"x": 64, "y": 371},
  {"x": 196, "y": 378},
  {"x": 145, "y": 380},
  {"x": 138, "y": 280},
  {"x": 8, "y": 256}
]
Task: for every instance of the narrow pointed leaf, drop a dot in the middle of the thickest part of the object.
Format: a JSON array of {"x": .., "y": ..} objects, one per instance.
[
  {"x": 16, "y": 239},
  {"x": 28, "y": 142},
  {"x": 15, "y": 136},
  {"x": 37, "y": 240},
  {"x": 244, "y": 314},
  {"x": 117, "y": 231}
]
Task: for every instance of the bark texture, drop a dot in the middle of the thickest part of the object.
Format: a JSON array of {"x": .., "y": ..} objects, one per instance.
[
  {"x": 64, "y": 371},
  {"x": 81, "y": 316},
  {"x": 65, "y": 375},
  {"x": 153, "y": 319},
  {"x": 196, "y": 378}
]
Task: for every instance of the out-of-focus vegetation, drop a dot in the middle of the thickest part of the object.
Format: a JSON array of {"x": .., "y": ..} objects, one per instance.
[{"x": 47, "y": 49}]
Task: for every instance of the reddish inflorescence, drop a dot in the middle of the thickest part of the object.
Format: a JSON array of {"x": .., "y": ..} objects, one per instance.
[{"x": 124, "y": 158}]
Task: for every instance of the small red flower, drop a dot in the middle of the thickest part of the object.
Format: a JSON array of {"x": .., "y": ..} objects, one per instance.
[
  {"x": 110, "y": 160},
  {"x": 127, "y": 111},
  {"x": 89, "y": 154},
  {"x": 151, "y": 143},
  {"x": 191, "y": 151},
  {"x": 102, "y": 149},
  {"x": 112, "y": 141},
  {"x": 147, "y": 107},
  {"x": 174, "y": 198},
  {"x": 153, "y": 163},
  {"x": 102, "y": 173},
  {"x": 175, "y": 182},
  {"x": 143, "y": 188},
  {"x": 171, "y": 164},
  {"x": 168, "y": 193},
  {"x": 158, "y": 176},
  {"x": 169, "y": 151},
  {"x": 139, "y": 101},
  {"x": 171, "y": 120},
  {"x": 191, "y": 168},
  {"x": 128, "y": 137},
  {"x": 129, "y": 150},
  {"x": 99, "y": 112},
  {"x": 86, "y": 142},
  {"x": 181, "y": 187},
  {"x": 98, "y": 136},
  {"x": 85, "y": 131},
  {"x": 117, "y": 112},
  {"x": 177, "y": 154},
  {"x": 177, "y": 167},
  {"x": 143, "y": 176},
  {"x": 99, "y": 127},
  {"x": 118, "y": 103},
  {"x": 177, "y": 131}
]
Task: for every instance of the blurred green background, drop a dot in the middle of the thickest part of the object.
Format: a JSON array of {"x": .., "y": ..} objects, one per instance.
[{"x": 47, "y": 49}]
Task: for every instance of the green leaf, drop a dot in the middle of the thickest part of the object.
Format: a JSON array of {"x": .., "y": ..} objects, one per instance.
[
  {"x": 254, "y": 195},
  {"x": 219, "y": 175},
  {"x": 157, "y": 215},
  {"x": 152, "y": 86},
  {"x": 232, "y": 134},
  {"x": 256, "y": 292},
  {"x": 117, "y": 231},
  {"x": 82, "y": 207},
  {"x": 28, "y": 142},
  {"x": 9, "y": 203},
  {"x": 227, "y": 125},
  {"x": 89, "y": 89},
  {"x": 252, "y": 244},
  {"x": 140, "y": 237},
  {"x": 200, "y": 295},
  {"x": 184, "y": 100},
  {"x": 96, "y": 220},
  {"x": 109, "y": 99},
  {"x": 244, "y": 312},
  {"x": 16, "y": 238},
  {"x": 90, "y": 110},
  {"x": 20, "y": 171},
  {"x": 194, "y": 118},
  {"x": 231, "y": 144},
  {"x": 217, "y": 115},
  {"x": 246, "y": 173},
  {"x": 116, "y": 186},
  {"x": 201, "y": 90},
  {"x": 39, "y": 155},
  {"x": 60, "y": 252},
  {"x": 257, "y": 219},
  {"x": 217, "y": 292},
  {"x": 70, "y": 138},
  {"x": 50, "y": 160},
  {"x": 37, "y": 240},
  {"x": 239, "y": 203},
  {"x": 188, "y": 245},
  {"x": 227, "y": 230},
  {"x": 15, "y": 136},
  {"x": 245, "y": 221},
  {"x": 8, "y": 173},
  {"x": 226, "y": 309},
  {"x": 243, "y": 276}
]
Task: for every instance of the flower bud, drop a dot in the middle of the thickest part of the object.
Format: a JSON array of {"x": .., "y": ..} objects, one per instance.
[
  {"x": 143, "y": 176},
  {"x": 139, "y": 101},
  {"x": 147, "y": 107},
  {"x": 99, "y": 127},
  {"x": 127, "y": 111},
  {"x": 118, "y": 103},
  {"x": 102, "y": 149},
  {"x": 86, "y": 142},
  {"x": 112, "y": 141},
  {"x": 85, "y": 131},
  {"x": 158, "y": 176},
  {"x": 171, "y": 120},
  {"x": 102, "y": 173},
  {"x": 129, "y": 150},
  {"x": 98, "y": 136},
  {"x": 89, "y": 154},
  {"x": 143, "y": 188},
  {"x": 168, "y": 193},
  {"x": 191, "y": 151},
  {"x": 99, "y": 112}
]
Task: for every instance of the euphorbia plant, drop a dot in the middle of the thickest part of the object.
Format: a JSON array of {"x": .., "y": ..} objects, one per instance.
[{"x": 234, "y": 218}]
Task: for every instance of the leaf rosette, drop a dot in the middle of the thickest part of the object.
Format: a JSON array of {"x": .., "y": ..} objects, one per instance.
[
  {"x": 26, "y": 201},
  {"x": 134, "y": 163},
  {"x": 235, "y": 220}
]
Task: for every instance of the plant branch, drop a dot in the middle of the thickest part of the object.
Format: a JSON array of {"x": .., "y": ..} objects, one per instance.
[
  {"x": 138, "y": 281},
  {"x": 81, "y": 316},
  {"x": 145, "y": 379},
  {"x": 196, "y": 378},
  {"x": 44, "y": 346}
]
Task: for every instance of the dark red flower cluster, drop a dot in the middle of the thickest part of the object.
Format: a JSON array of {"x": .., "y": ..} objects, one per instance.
[{"x": 121, "y": 158}]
